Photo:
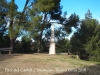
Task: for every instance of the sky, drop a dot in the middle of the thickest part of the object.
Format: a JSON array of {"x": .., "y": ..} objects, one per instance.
[{"x": 80, "y": 7}]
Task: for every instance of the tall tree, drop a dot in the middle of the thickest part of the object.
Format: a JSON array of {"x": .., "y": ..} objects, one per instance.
[
  {"x": 84, "y": 41},
  {"x": 14, "y": 27},
  {"x": 43, "y": 11}
]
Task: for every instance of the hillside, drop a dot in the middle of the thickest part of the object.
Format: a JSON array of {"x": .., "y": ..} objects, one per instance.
[{"x": 44, "y": 64}]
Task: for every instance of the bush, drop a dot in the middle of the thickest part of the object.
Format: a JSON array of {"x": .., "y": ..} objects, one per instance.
[{"x": 94, "y": 58}]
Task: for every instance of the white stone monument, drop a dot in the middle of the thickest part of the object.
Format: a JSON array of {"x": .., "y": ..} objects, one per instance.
[{"x": 52, "y": 41}]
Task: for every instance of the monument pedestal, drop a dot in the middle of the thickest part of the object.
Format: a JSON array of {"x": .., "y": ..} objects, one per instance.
[
  {"x": 52, "y": 42},
  {"x": 52, "y": 48}
]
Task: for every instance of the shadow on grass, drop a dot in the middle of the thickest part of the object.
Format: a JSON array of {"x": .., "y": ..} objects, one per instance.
[
  {"x": 89, "y": 70},
  {"x": 4, "y": 57}
]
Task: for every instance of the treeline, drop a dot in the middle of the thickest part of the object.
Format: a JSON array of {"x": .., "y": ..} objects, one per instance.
[
  {"x": 33, "y": 24},
  {"x": 86, "y": 41}
]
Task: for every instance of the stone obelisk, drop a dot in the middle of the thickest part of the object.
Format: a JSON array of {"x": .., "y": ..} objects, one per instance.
[{"x": 52, "y": 41}]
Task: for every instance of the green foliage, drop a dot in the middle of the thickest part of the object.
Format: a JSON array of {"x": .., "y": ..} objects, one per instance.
[
  {"x": 45, "y": 5},
  {"x": 62, "y": 46},
  {"x": 72, "y": 21},
  {"x": 60, "y": 33},
  {"x": 51, "y": 7},
  {"x": 3, "y": 9},
  {"x": 14, "y": 15},
  {"x": 86, "y": 40},
  {"x": 41, "y": 13},
  {"x": 24, "y": 46},
  {"x": 88, "y": 15},
  {"x": 4, "y": 39}
]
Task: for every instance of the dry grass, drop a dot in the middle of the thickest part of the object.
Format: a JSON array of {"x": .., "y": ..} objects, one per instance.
[{"x": 44, "y": 64}]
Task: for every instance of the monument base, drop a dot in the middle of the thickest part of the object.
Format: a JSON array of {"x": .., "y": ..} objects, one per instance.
[{"x": 52, "y": 48}]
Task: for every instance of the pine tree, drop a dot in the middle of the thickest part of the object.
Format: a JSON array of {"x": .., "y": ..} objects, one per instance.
[
  {"x": 42, "y": 12},
  {"x": 14, "y": 27},
  {"x": 86, "y": 40},
  {"x": 88, "y": 15}
]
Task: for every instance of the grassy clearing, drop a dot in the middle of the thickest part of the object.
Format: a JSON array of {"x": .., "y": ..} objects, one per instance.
[{"x": 44, "y": 64}]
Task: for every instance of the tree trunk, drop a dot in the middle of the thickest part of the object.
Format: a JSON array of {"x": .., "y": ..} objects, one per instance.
[
  {"x": 12, "y": 44},
  {"x": 40, "y": 42},
  {"x": 39, "y": 47}
]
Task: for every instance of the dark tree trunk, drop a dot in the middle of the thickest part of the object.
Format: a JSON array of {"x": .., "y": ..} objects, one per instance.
[
  {"x": 39, "y": 47},
  {"x": 12, "y": 44},
  {"x": 40, "y": 37},
  {"x": 40, "y": 42}
]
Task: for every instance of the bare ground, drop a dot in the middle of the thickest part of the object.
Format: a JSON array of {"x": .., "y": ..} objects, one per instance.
[{"x": 45, "y": 64}]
